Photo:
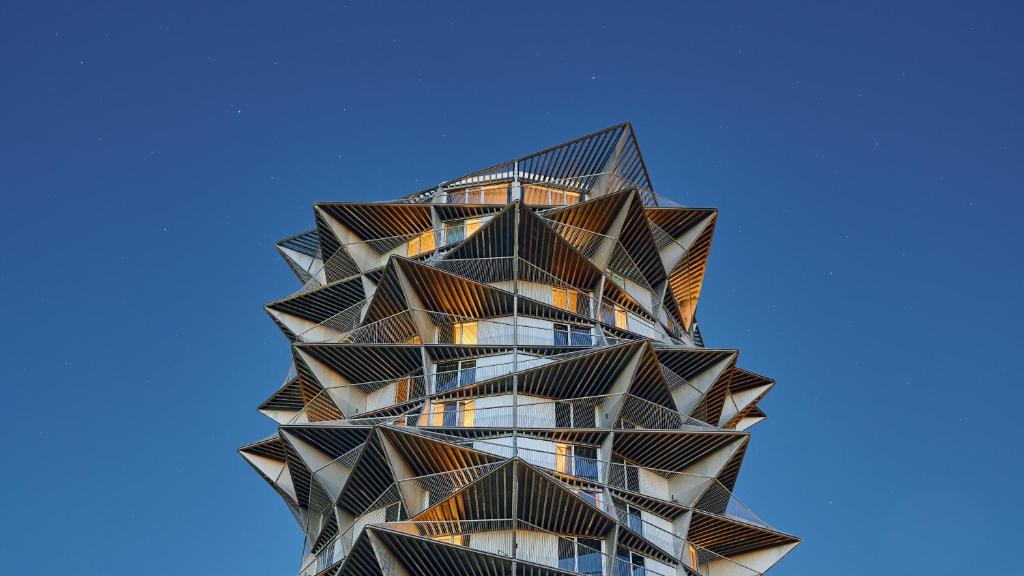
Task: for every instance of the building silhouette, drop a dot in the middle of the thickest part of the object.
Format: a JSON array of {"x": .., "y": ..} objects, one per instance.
[{"x": 504, "y": 374}]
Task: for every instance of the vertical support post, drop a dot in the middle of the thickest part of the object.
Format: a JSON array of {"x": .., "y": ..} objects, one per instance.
[{"x": 515, "y": 190}]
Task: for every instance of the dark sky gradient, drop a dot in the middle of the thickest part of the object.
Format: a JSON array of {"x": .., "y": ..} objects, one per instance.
[{"x": 866, "y": 159}]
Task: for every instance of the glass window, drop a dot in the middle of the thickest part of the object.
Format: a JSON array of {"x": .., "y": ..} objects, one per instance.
[
  {"x": 566, "y": 554},
  {"x": 468, "y": 413},
  {"x": 617, "y": 278},
  {"x": 447, "y": 376},
  {"x": 451, "y": 414},
  {"x": 420, "y": 244},
  {"x": 464, "y": 333},
  {"x": 588, "y": 551},
  {"x": 437, "y": 416},
  {"x": 454, "y": 232},
  {"x": 620, "y": 317},
  {"x": 467, "y": 372},
  {"x": 563, "y": 458},
  {"x": 402, "y": 388},
  {"x": 635, "y": 523},
  {"x": 561, "y": 334},
  {"x": 566, "y": 299},
  {"x": 585, "y": 462},
  {"x": 581, "y": 336}
]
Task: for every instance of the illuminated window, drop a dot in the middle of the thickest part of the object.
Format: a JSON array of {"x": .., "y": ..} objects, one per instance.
[
  {"x": 693, "y": 557},
  {"x": 420, "y": 244},
  {"x": 464, "y": 333},
  {"x": 468, "y": 413},
  {"x": 563, "y": 458},
  {"x": 544, "y": 196},
  {"x": 458, "y": 230},
  {"x": 402, "y": 388},
  {"x": 620, "y": 317},
  {"x": 565, "y": 298},
  {"x": 457, "y": 539},
  {"x": 437, "y": 414}
]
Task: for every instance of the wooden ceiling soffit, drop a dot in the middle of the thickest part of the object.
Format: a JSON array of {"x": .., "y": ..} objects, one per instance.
[
  {"x": 428, "y": 555},
  {"x": 687, "y": 277},
  {"x": 358, "y": 363},
  {"x": 446, "y": 293},
  {"x": 370, "y": 476},
  {"x": 669, "y": 449},
  {"x": 591, "y": 374},
  {"x": 317, "y": 305},
  {"x": 373, "y": 220}
]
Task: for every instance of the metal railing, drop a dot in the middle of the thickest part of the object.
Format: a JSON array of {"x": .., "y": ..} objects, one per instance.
[
  {"x": 718, "y": 499},
  {"x": 640, "y": 413},
  {"x": 668, "y": 541},
  {"x": 577, "y": 413},
  {"x": 537, "y": 189},
  {"x": 332, "y": 328},
  {"x": 442, "y": 485}
]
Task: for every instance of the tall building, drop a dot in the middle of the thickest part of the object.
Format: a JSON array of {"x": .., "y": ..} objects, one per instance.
[{"x": 504, "y": 374}]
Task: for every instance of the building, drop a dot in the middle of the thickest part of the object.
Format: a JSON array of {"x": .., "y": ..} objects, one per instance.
[{"x": 505, "y": 375}]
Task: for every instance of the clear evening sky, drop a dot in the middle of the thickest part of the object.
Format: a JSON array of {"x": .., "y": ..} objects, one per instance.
[{"x": 866, "y": 159}]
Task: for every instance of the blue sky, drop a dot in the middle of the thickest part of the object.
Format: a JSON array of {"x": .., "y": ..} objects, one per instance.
[{"x": 866, "y": 159}]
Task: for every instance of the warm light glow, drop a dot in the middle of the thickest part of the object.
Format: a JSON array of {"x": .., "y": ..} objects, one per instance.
[
  {"x": 544, "y": 196},
  {"x": 620, "y": 317},
  {"x": 402, "y": 390},
  {"x": 464, "y": 333},
  {"x": 420, "y": 244},
  {"x": 563, "y": 458},
  {"x": 468, "y": 414},
  {"x": 565, "y": 298}
]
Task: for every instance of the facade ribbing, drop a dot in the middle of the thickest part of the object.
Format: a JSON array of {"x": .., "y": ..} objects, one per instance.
[{"x": 504, "y": 374}]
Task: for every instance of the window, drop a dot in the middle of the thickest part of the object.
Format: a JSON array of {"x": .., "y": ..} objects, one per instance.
[
  {"x": 453, "y": 414},
  {"x": 561, "y": 335},
  {"x": 572, "y": 335},
  {"x": 402, "y": 388},
  {"x": 457, "y": 539},
  {"x": 636, "y": 524},
  {"x": 617, "y": 278},
  {"x": 493, "y": 194},
  {"x": 585, "y": 462},
  {"x": 629, "y": 563},
  {"x": 464, "y": 333},
  {"x": 542, "y": 195},
  {"x": 420, "y": 244},
  {"x": 581, "y": 336},
  {"x": 563, "y": 458},
  {"x": 620, "y": 317},
  {"x": 576, "y": 460},
  {"x": 693, "y": 556},
  {"x": 566, "y": 299},
  {"x": 451, "y": 375},
  {"x": 581, "y": 555}
]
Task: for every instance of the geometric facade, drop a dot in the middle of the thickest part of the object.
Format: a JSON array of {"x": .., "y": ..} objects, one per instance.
[{"x": 504, "y": 374}]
